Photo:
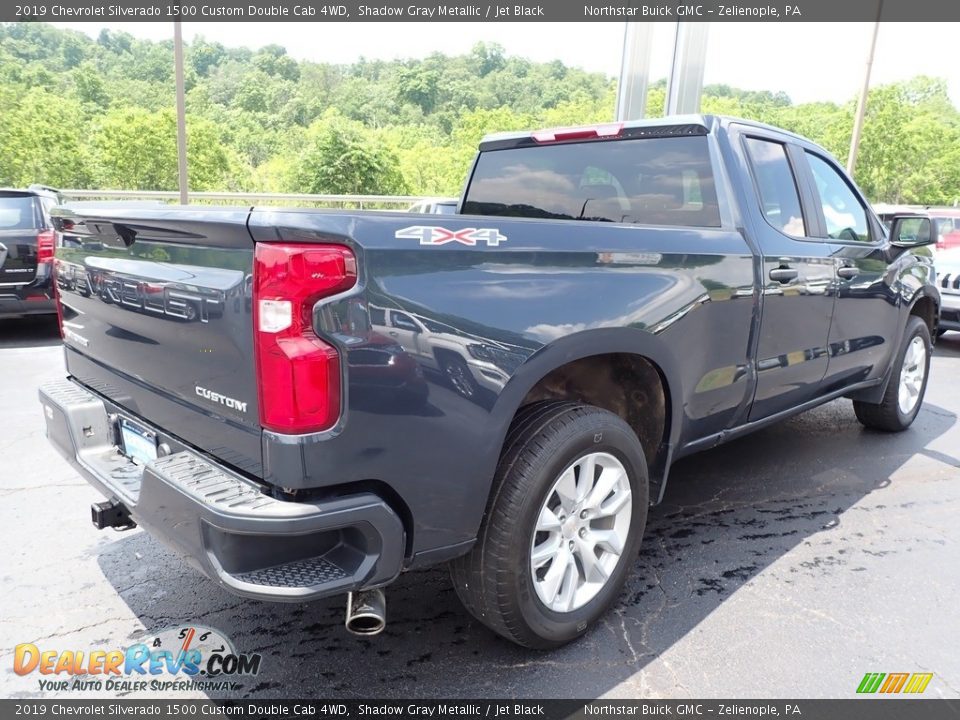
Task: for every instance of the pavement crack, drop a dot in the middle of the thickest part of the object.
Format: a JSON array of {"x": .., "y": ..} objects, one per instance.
[{"x": 626, "y": 637}]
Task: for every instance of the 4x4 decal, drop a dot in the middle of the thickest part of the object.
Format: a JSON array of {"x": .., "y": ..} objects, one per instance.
[{"x": 434, "y": 235}]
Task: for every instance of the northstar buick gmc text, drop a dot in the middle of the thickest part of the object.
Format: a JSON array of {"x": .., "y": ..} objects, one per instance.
[{"x": 306, "y": 403}]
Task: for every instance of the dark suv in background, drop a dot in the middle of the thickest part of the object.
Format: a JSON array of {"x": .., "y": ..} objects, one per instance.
[{"x": 27, "y": 242}]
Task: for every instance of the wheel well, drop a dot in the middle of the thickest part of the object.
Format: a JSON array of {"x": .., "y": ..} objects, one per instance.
[
  {"x": 628, "y": 385},
  {"x": 926, "y": 309}
]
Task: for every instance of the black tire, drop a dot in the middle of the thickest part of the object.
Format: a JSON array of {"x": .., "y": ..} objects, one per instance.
[
  {"x": 494, "y": 580},
  {"x": 887, "y": 414}
]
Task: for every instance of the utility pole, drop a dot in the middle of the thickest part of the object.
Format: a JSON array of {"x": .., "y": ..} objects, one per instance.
[
  {"x": 862, "y": 102},
  {"x": 634, "y": 71},
  {"x": 181, "y": 112}
]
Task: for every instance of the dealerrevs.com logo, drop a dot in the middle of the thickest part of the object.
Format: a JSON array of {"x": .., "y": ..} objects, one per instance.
[{"x": 189, "y": 657}]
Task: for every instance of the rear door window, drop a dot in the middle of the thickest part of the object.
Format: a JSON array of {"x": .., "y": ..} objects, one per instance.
[
  {"x": 649, "y": 181},
  {"x": 777, "y": 187}
]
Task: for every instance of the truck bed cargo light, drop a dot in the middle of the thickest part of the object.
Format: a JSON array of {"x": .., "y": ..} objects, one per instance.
[{"x": 578, "y": 133}]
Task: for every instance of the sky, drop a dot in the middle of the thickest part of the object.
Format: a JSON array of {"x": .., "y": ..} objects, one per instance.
[{"x": 808, "y": 61}]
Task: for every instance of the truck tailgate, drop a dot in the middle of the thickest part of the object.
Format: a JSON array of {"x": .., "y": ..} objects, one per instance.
[{"x": 157, "y": 317}]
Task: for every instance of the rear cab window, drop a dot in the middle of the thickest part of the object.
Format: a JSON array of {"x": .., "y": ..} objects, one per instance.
[{"x": 648, "y": 181}]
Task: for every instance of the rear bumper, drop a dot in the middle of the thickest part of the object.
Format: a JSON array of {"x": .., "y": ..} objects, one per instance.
[
  {"x": 252, "y": 544},
  {"x": 12, "y": 305},
  {"x": 33, "y": 298}
]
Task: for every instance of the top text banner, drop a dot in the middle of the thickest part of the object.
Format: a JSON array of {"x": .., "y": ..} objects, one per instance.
[{"x": 482, "y": 11}]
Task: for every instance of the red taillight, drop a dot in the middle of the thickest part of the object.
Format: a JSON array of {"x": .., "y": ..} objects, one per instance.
[
  {"x": 46, "y": 243},
  {"x": 298, "y": 372},
  {"x": 578, "y": 133}
]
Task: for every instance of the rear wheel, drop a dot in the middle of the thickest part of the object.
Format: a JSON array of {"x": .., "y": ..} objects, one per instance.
[
  {"x": 904, "y": 394},
  {"x": 563, "y": 527}
]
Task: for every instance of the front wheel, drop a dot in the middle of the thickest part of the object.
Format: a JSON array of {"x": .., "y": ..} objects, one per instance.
[
  {"x": 904, "y": 394},
  {"x": 563, "y": 527}
]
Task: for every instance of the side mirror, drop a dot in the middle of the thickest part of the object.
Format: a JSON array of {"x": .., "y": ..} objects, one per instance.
[{"x": 910, "y": 231}]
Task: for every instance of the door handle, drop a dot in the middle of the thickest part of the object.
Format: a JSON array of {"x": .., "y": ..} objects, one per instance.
[
  {"x": 393, "y": 333},
  {"x": 784, "y": 274},
  {"x": 848, "y": 272}
]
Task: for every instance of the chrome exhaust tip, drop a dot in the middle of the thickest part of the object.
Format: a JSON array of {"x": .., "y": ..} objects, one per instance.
[{"x": 366, "y": 612}]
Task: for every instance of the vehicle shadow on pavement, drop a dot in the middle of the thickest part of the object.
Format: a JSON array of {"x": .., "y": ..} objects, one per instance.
[
  {"x": 729, "y": 514},
  {"x": 36, "y": 331}
]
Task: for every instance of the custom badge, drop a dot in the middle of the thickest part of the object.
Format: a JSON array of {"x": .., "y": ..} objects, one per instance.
[{"x": 434, "y": 235}]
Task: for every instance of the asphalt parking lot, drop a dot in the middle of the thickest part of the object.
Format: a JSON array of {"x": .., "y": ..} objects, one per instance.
[{"x": 785, "y": 564}]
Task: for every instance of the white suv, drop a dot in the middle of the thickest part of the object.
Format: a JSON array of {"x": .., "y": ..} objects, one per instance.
[{"x": 947, "y": 263}]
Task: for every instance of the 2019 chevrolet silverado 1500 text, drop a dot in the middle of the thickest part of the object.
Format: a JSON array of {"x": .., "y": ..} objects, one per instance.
[{"x": 306, "y": 403}]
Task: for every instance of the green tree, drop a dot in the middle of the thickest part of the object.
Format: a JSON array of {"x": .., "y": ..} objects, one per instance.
[
  {"x": 136, "y": 149},
  {"x": 204, "y": 56},
  {"x": 910, "y": 147},
  {"x": 342, "y": 157},
  {"x": 79, "y": 111},
  {"x": 90, "y": 86},
  {"x": 37, "y": 146},
  {"x": 273, "y": 60},
  {"x": 419, "y": 85}
]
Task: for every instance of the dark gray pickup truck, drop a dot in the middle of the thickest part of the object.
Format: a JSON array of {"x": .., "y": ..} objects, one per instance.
[{"x": 307, "y": 403}]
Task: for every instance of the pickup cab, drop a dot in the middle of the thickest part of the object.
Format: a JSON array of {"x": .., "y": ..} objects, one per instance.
[{"x": 307, "y": 403}]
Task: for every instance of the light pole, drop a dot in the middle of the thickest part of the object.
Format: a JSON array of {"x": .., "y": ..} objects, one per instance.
[
  {"x": 862, "y": 101},
  {"x": 181, "y": 112}
]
